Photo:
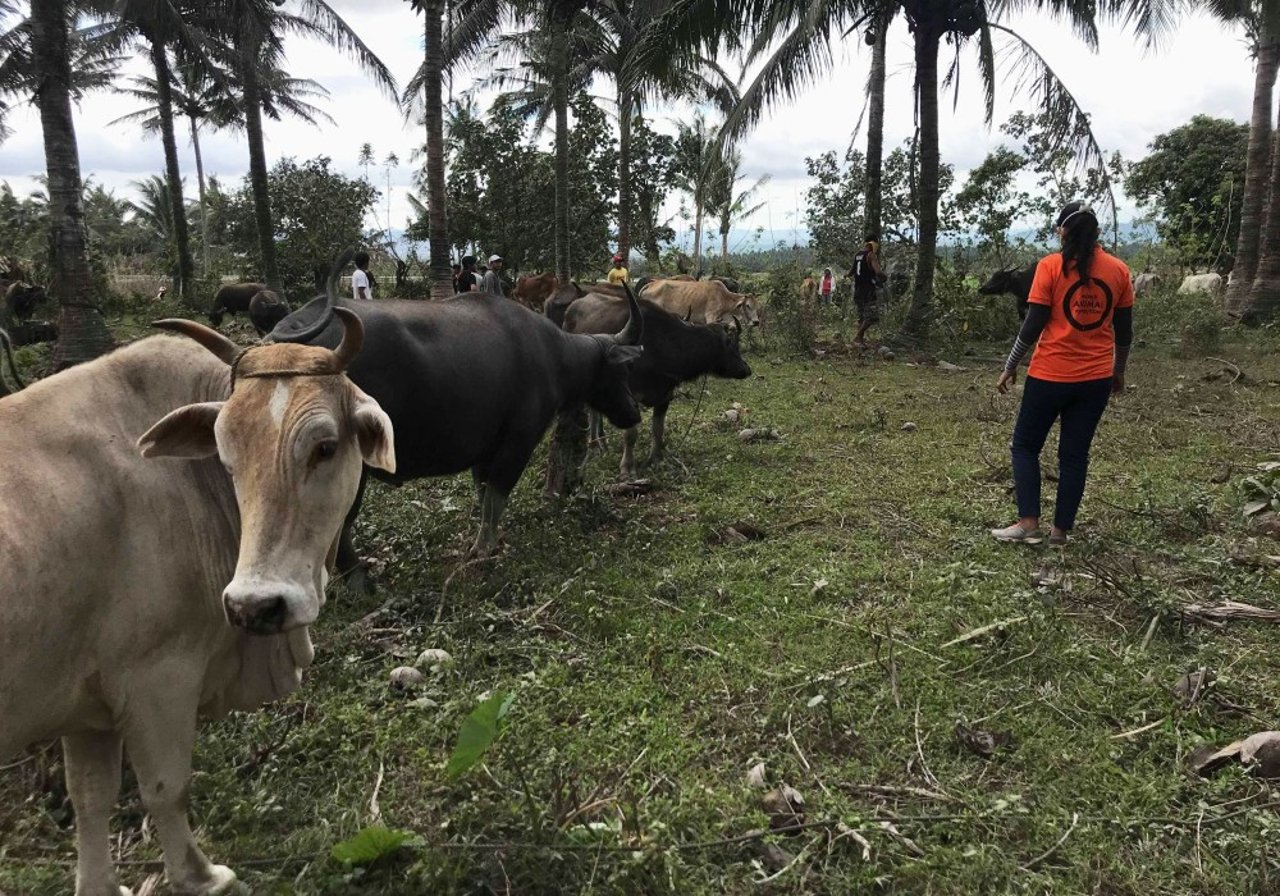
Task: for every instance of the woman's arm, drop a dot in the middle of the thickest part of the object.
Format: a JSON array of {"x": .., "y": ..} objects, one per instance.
[{"x": 1032, "y": 327}]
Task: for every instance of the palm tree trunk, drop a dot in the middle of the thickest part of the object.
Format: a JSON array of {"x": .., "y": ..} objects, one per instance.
[
  {"x": 624, "y": 173},
  {"x": 181, "y": 237},
  {"x": 724, "y": 245},
  {"x": 697, "y": 238},
  {"x": 927, "y": 39},
  {"x": 204, "y": 213},
  {"x": 437, "y": 208},
  {"x": 82, "y": 333},
  {"x": 1257, "y": 171},
  {"x": 562, "y": 16},
  {"x": 1264, "y": 292},
  {"x": 258, "y": 163},
  {"x": 875, "y": 130}
]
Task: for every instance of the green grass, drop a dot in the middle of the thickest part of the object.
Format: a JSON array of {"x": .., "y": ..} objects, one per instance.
[{"x": 654, "y": 663}]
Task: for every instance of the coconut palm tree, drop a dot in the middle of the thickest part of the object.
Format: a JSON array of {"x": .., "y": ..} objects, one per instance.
[
  {"x": 804, "y": 53},
  {"x": 162, "y": 25},
  {"x": 478, "y": 22},
  {"x": 48, "y": 39},
  {"x": 424, "y": 95},
  {"x": 1256, "y": 273},
  {"x": 700, "y": 158},
  {"x": 728, "y": 203},
  {"x": 255, "y": 31}
]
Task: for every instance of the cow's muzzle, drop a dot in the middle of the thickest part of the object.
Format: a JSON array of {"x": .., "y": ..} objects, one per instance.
[{"x": 267, "y": 608}]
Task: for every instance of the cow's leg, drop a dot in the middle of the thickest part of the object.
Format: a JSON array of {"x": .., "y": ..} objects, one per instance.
[
  {"x": 492, "y": 505},
  {"x": 160, "y": 735},
  {"x": 349, "y": 567},
  {"x": 659, "y": 433},
  {"x": 500, "y": 477},
  {"x": 629, "y": 439},
  {"x": 595, "y": 430},
  {"x": 93, "y": 780}
]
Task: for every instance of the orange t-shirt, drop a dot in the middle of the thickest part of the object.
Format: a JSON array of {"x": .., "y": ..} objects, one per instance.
[{"x": 1078, "y": 342}]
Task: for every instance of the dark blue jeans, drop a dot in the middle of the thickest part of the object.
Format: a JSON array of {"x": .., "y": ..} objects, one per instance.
[{"x": 1079, "y": 406}]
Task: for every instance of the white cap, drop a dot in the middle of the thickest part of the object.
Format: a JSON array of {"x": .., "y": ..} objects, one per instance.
[{"x": 493, "y": 258}]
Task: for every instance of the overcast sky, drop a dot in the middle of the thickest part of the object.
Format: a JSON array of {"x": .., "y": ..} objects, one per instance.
[{"x": 1132, "y": 96}]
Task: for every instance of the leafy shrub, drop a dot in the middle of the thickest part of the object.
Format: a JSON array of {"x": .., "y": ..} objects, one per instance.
[
  {"x": 795, "y": 318},
  {"x": 1202, "y": 331}
]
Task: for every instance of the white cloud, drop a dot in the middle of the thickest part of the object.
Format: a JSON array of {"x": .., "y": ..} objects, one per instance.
[{"x": 1131, "y": 95}]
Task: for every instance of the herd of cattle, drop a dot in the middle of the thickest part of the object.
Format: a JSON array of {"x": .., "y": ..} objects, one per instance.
[
  {"x": 1017, "y": 283},
  {"x": 154, "y": 476}
]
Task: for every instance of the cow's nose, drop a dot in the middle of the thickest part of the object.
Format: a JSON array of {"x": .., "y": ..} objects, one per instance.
[{"x": 261, "y": 613}]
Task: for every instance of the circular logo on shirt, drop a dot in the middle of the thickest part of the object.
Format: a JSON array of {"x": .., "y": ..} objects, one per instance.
[{"x": 1087, "y": 304}]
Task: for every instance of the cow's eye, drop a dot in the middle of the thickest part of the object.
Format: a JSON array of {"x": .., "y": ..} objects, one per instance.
[{"x": 326, "y": 449}]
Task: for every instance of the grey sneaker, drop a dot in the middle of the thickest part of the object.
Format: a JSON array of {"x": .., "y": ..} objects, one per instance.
[
  {"x": 1058, "y": 539},
  {"x": 1018, "y": 534}
]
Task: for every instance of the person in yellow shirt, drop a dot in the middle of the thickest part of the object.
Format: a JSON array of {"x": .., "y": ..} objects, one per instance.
[{"x": 618, "y": 273}]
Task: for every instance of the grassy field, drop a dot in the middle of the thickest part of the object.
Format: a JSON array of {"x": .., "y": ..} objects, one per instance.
[{"x": 795, "y": 603}]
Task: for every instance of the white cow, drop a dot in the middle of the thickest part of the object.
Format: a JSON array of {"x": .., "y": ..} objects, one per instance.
[
  {"x": 1194, "y": 283},
  {"x": 1146, "y": 283},
  {"x": 139, "y": 594}
]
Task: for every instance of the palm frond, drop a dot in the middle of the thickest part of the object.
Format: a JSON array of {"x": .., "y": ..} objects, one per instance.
[
  {"x": 341, "y": 36},
  {"x": 1067, "y": 124}
]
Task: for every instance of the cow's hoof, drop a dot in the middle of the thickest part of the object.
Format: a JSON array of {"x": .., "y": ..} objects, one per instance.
[{"x": 221, "y": 881}]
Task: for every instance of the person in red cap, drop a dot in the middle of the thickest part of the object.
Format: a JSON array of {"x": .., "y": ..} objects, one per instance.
[{"x": 618, "y": 273}]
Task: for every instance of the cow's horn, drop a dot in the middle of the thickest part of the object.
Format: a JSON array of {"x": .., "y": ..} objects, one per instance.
[
  {"x": 632, "y": 333},
  {"x": 226, "y": 350},
  {"x": 306, "y": 334},
  {"x": 352, "y": 338}
]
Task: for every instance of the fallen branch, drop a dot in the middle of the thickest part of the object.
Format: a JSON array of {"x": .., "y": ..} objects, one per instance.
[
  {"x": 1136, "y": 731},
  {"x": 1229, "y": 610},
  {"x": 1238, "y": 373},
  {"x": 1030, "y": 866},
  {"x": 983, "y": 630}
]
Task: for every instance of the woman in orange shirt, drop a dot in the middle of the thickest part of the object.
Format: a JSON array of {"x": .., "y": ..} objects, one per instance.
[{"x": 1081, "y": 311}]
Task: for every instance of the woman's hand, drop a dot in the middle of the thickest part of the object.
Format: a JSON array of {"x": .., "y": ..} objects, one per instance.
[
  {"x": 1117, "y": 384},
  {"x": 1007, "y": 379}
]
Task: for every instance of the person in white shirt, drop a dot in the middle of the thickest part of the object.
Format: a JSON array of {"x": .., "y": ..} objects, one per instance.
[
  {"x": 492, "y": 283},
  {"x": 362, "y": 280}
]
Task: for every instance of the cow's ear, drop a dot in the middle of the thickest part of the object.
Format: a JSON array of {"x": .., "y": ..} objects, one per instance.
[
  {"x": 374, "y": 432},
  {"x": 624, "y": 354},
  {"x": 186, "y": 432}
]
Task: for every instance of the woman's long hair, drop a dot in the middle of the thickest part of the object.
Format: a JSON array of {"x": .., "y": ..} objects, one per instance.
[{"x": 1079, "y": 238}]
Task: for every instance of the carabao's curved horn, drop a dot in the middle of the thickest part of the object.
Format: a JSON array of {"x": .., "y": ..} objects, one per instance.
[
  {"x": 634, "y": 330},
  {"x": 306, "y": 334},
  {"x": 226, "y": 350},
  {"x": 352, "y": 338}
]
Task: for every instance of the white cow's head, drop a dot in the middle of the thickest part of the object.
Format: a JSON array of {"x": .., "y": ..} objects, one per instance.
[{"x": 293, "y": 436}]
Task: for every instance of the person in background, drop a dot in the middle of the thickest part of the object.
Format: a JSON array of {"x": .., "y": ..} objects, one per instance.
[
  {"x": 492, "y": 282},
  {"x": 1081, "y": 313},
  {"x": 866, "y": 275},
  {"x": 468, "y": 280},
  {"x": 618, "y": 274},
  {"x": 361, "y": 279},
  {"x": 457, "y": 269},
  {"x": 826, "y": 286}
]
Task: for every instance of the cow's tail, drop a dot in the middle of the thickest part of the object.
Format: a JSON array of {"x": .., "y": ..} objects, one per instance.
[
  {"x": 13, "y": 367},
  {"x": 314, "y": 329}
]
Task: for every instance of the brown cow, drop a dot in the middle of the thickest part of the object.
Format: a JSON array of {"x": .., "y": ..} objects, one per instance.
[
  {"x": 703, "y": 302},
  {"x": 142, "y": 594},
  {"x": 533, "y": 290}
]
